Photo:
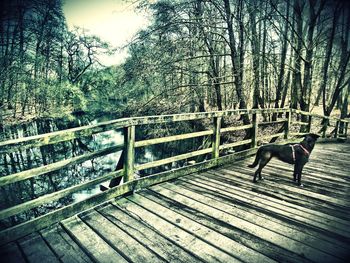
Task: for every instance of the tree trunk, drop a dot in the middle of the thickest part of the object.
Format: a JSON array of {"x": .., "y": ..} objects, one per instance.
[{"x": 237, "y": 59}]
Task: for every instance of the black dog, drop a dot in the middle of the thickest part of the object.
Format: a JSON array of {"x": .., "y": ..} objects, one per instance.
[{"x": 297, "y": 154}]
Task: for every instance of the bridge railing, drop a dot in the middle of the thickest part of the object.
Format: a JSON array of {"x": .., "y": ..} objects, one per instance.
[{"x": 130, "y": 184}]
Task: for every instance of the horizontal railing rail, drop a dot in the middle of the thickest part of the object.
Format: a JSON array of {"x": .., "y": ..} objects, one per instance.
[{"x": 130, "y": 183}]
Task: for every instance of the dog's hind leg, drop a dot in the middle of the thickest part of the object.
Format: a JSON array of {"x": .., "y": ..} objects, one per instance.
[{"x": 295, "y": 173}]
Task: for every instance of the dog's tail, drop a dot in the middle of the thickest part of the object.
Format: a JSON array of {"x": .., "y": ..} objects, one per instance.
[{"x": 257, "y": 159}]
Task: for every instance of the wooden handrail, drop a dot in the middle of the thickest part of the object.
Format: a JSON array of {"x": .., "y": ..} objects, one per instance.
[
  {"x": 70, "y": 134},
  {"x": 129, "y": 125}
]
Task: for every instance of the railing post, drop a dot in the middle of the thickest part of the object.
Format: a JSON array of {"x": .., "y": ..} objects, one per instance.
[
  {"x": 325, "y": 124},
  {"x": 336, "y": 132},
  {"x": 309, "y": 124},
  {"x": 216, "y": 137},
  {"x": 288, "y": 121},
  {"x": 129, "y": 148},
  {"x": 346, "y": 130},
  {"x": 255, "y": 123}
]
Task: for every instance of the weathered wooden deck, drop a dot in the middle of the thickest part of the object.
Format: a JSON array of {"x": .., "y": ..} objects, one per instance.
[{"x": 213, "y": 216}]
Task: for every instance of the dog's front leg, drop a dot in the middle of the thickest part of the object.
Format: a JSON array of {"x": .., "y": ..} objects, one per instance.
[
  {"x": 299, "y": 177},
  {"x": 297, "y": 173}
]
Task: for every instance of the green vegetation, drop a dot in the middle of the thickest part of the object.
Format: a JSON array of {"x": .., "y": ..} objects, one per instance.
[{"x": 195, "y": 56}]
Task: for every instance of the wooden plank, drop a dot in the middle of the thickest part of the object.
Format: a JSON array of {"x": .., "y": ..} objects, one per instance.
[
  {"x": 273, "y": 205},
  {"x": 235, "y": 144},
  {"x": 309, "y": 175},
  {"x": 312, "y": 208},
  {"x": 174, "y": 231},
  {"x": 92, "y": 244},
  {"x": 172, "y": 159},
  {"x": 291, "y": 195},
  {"x": 223, "y": 225},
  {"x": 56, "y": 195},
  {"x": 314, "y": 182},
  {"x": 149, "y": 237},
  {"x": 201, "y": 231},
  {"x": 300, "y": 123},
  {"x": 10, "y": 253},
  {"x": 236, "y": 128},
  {"x": 247, "y": 173},
  {"x": 63, "y": 246},
  {"x": 172, "y": 138},
  {"x": 337, "y": 247},
  {"x": 4, "y": 180},
  {"x": 36, "y": 250},
  {"x": 119, "y": 240},
  {"x": 316, "y": 249},
  {"x": 303, "y": 214},
  {"x": 272, "y": 122}
]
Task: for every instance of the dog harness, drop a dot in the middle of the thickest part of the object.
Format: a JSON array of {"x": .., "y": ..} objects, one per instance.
[{"x": 302, "y": 147}]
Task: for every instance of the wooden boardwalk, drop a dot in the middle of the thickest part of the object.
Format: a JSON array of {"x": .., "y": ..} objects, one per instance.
[{"x": 213, "y": 216}]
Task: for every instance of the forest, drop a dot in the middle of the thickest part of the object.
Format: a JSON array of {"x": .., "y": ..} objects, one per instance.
[{"x": 196, "y": 55}]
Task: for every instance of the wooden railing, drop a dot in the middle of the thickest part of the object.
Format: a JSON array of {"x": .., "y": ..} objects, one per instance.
[{"x": 130, "y": 184}]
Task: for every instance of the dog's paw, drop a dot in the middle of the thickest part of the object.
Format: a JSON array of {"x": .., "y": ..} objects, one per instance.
[
  {"x": 301, "y": 185},
  {"x": 262, "y": 178}
]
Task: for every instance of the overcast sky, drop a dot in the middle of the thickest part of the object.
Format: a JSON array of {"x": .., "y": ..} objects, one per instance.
[{"x": 115, "y": 21}]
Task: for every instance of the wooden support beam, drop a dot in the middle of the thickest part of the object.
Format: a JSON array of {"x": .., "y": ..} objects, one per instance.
[
  {"x": 236, "y": 128},
  {"x": 287, "y": 125},
  {"x": 235, "y": 144},
  {"x": 172, "y": 138},
  {"x": 300, "y": 123},
  {"x": 173, "y": 159},
  {"x": 346, "y": 130},
  {"x": 271, "y": 122},
  {"x": 309, "y": 124},
  {"x": 336, "y": 129},
  {"x": 255, "y": 128},
  {"x": 216, "y": 137},
  {"x": 129, "y": 143},
  {"x": 324, "y": 128}
]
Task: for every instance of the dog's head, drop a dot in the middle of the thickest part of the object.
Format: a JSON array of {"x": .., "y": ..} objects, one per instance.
[{"x": 311, "y": 139}]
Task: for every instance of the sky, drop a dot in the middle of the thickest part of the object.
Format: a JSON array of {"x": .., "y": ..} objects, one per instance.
[{"x": 114, "y": 21}]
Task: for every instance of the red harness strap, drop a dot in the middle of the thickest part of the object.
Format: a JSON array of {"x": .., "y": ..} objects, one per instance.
[
  {"x": 302, "y": 147},
  {"x": 306, "y": 151}
]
